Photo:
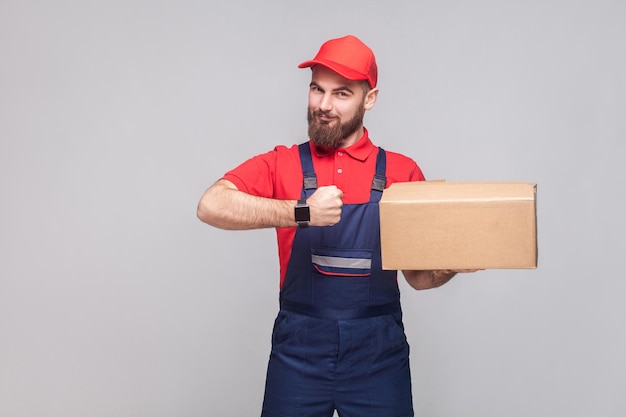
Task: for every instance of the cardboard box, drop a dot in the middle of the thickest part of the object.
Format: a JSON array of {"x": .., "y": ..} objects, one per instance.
[{"x": 456, "y": 225}]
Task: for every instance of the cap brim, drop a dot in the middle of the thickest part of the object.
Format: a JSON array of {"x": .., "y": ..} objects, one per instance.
[{"x": 342, "y": 70}]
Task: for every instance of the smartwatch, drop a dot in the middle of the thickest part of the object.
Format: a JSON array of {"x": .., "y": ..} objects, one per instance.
[{"x": 302, "y": 214}]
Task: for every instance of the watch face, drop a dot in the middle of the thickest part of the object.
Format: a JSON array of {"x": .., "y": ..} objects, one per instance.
[{"x": 303, "y": 214}]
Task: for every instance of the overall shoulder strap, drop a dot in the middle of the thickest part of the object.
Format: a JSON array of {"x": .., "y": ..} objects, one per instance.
[
  {"x": 380, "y": 177},
  {"x": 306, "y": 161}
]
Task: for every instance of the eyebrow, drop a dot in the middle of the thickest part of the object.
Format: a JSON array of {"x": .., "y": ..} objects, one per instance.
[{"x": 340, "y": 88}]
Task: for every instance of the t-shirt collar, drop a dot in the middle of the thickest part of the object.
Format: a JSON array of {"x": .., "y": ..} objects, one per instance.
[{"x": 359, "y": 150}]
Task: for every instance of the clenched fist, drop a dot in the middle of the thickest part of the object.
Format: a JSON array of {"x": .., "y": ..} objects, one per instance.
[{"x": 325, "y": 206}]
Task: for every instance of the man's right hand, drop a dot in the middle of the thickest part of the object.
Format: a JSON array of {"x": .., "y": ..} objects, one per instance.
[{"x": 325, "y": 206}]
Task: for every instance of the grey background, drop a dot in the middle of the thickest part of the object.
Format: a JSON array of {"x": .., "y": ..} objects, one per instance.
[{"x": 115, "y": 116}]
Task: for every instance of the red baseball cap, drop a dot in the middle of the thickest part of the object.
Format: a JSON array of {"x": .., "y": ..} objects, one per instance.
[{"x": 348, "y": 57}]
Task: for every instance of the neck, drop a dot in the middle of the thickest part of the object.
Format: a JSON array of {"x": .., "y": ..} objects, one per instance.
[{"x": 353, "y": 138}]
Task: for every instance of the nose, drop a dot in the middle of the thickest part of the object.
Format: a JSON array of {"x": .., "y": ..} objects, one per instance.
[{"x": 326, "y": 103}]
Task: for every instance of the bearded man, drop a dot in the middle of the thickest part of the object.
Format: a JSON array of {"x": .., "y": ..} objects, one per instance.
[{"x": 338, "y": 341}]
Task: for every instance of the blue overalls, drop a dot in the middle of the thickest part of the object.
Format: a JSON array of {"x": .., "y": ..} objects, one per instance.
[{"x": 338, "y": 341}]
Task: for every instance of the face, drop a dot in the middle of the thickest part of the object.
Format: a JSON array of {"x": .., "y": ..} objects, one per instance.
[{"x": 336, "y": 108}]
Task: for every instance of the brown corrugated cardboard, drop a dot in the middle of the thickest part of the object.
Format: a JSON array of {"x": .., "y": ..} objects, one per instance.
[{"x": 459, "y": 225}]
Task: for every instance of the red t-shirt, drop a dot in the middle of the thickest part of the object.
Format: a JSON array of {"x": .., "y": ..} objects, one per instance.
[{"x": 278, "y": 174}]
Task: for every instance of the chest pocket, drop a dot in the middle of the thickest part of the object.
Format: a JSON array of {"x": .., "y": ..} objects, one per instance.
[{"x": 341, "y": 262}]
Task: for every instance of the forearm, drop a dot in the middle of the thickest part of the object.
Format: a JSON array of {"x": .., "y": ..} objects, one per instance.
[
  {"x": 225, "y": 207},
  {"x": 423, "y": 280}
]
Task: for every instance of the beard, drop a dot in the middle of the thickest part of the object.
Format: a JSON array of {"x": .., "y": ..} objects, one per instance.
[{"x": 332, "y": 134}]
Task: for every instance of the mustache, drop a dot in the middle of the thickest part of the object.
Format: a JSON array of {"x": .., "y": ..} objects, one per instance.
[{"x": 320, "y": 113}]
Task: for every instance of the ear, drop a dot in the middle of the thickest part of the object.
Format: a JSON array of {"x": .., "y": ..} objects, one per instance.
[{"x": 370, "y": 99}]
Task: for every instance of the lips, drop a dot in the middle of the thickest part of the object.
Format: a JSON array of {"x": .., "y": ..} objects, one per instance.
[{"x": 325, "y": 118}]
